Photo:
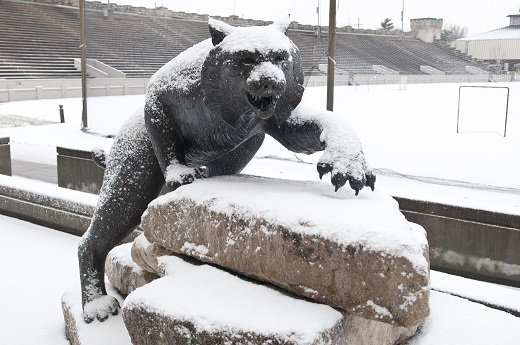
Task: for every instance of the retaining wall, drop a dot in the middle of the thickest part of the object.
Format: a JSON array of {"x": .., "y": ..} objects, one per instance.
[{"x": 31, "y": 89}]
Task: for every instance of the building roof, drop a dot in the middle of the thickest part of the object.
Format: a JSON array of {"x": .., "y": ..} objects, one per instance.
[{"x": 508, "y": 32}]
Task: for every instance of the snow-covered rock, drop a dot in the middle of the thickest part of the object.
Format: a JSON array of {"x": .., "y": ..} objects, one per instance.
[
  {"x": 123, "y": 273},
  {"x": 200, "y": 304},
  {"x": 146, "y": 254},
  {"x": 355, "y": 253},
  {"x": 110, "y": 332}
]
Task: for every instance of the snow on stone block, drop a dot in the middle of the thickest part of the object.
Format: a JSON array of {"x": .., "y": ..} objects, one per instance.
[
  {"x": 146, "y": 254},
  {"x": 355, "y": 253},
  {"x": 123, "y": 273},
  {"x": 112, "y": 331},
  {"x": 205, "y": 305}
]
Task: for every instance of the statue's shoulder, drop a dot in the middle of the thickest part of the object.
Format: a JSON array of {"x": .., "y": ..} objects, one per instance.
[{"x": 182, "y": 73}]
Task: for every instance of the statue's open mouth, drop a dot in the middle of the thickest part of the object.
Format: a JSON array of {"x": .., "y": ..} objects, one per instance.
[{"x": 264, "y": 104}]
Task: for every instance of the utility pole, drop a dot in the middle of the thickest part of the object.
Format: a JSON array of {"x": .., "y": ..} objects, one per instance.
[
  {"x": 318, "y": 32},
  {"x": 358, "y": 24},
  {"x": 331, "y": 63},
  {"x": 84, "y": 122},
  {"x": 402, "y": 21}
]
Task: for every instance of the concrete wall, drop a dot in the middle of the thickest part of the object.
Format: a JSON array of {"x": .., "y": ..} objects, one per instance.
[
  {"x": 77, "y": 170},
  {"x": 379, "y": 79},
  {"x": 31, "y": 89},
  {"x": 473, "y": 243}
]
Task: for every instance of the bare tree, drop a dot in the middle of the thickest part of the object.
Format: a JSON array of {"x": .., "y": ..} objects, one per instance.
[{"x": 452, "y": 32}]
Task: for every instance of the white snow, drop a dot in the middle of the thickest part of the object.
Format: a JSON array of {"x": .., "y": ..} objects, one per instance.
[
  {"x": 112, "y": 331},
  {"x": 454, "y": 321},
  {"x": 262, "y": 39},
  {"x": 266, "y": 69},
  {"x": 41, "y": 265},
  {"x": 343, "y": 145},
  {"x": 411, "y": 132},
  {"x": 506, "y": 33},
  {"x": 488, "y": 293},
  {"x": 372, "y": 220},
  {"x": 181, "y": 73},
  {"x": 214, "y": 301}
]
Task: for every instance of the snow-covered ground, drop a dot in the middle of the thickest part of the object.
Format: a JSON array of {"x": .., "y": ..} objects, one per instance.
[
  {"x": 410, "y": 132},
  {"x": 410, "y": 137}
]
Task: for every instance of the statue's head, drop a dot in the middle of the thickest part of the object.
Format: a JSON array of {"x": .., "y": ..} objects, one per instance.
[{"x": 252, "y": 69}]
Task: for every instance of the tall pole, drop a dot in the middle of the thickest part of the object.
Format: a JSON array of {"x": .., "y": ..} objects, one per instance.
[
  {"x": 84, "y": 122},
  {"x": 402, "y": 21},
  {"x": 330, "y": 56},
  {"x": 318, "y": 11}
]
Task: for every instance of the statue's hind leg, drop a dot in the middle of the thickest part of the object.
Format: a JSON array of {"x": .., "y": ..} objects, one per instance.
[{"x": 133, "y": 178}]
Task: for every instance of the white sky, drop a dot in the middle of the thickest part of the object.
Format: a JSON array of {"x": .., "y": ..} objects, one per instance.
[{"x": 478, "y": 16}]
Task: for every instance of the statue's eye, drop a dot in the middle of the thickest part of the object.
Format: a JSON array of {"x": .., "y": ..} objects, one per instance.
[
  {"x": 248, "y": 61},
  {"x": 279, "y": 58}
]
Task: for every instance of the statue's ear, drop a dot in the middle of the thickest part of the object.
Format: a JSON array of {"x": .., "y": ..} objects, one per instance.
[
  {"x": 218, "y": 30},
  {"x": 282, "y": 24}
]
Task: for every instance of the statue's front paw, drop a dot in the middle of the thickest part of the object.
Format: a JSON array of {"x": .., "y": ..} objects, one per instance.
[
  {"x": 339, "y": 178},
  {"x": 178, "y": 175},
  {"x": 100, "y": 308}
]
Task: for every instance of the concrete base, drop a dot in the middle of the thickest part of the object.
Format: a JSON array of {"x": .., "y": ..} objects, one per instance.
[
  {"x": 77, "y": 170},
  {"x": 5, "y": 157}
]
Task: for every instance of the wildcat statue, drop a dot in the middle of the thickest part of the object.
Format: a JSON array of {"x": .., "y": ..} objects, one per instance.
[{"x": 206, "y": 114}]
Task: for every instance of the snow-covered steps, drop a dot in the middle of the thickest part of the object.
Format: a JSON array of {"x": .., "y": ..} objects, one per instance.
[
  {"x": 355, "y": 253},
  {"x": 493, "y": 295}
]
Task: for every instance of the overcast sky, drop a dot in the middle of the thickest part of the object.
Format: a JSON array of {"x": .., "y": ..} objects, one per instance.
[{"x": 477, "y": 15}]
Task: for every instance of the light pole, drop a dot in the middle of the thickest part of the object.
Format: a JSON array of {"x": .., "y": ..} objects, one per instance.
[
  {"x": 84, "y": 122},
  {"x": 402, "y": 21},
  {"x": 331, "y": 68}
]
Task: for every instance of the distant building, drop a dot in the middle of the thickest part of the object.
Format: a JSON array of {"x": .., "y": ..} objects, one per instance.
[
  {"x": 501, "y": 45},
  {"x": 426, "y": 29}
]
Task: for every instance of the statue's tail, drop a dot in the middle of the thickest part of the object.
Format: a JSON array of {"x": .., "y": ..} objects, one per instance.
[{"x": 99, "y": 157}]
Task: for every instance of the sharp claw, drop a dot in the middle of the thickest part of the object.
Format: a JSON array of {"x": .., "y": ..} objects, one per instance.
[
  {"x": 323, "y": 169},
  {"x": 357, "y": 191},
  {"x": 371, "y": 181},
  {"x": 336, "y": 187}
]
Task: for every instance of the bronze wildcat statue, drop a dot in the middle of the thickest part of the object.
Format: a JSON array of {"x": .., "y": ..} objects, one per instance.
[{"x": 206, "y": 114}]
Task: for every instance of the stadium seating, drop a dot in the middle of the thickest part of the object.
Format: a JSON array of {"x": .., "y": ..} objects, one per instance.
[{"x": 42, "y": 40}]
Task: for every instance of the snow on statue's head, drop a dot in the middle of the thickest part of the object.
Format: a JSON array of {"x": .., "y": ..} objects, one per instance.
[{"x": 252, "y": 69}]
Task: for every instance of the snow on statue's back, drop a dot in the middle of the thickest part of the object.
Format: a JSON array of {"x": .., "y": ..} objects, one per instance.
[{"x": 206, "y": 114}]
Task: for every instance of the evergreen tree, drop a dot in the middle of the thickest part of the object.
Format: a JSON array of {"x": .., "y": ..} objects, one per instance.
[{"x": 387, "y": 24}]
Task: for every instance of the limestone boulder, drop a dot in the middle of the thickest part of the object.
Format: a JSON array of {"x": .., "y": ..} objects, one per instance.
[
  {"x": 355, "y": 330},
  {"x": 110, "y": 332},
  {"x": 146, "y": 254},
  {"x": 123, "y": 273},
  {"x": 354, "y": 253},
  {"x": 200, "y": 304}
]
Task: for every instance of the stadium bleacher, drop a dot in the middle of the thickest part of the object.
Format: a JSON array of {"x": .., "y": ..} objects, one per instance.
[{"x": 41, "y": 41}]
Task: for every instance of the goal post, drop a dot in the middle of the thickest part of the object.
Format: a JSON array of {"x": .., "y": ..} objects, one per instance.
[{"x": 483, "y": 109}]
